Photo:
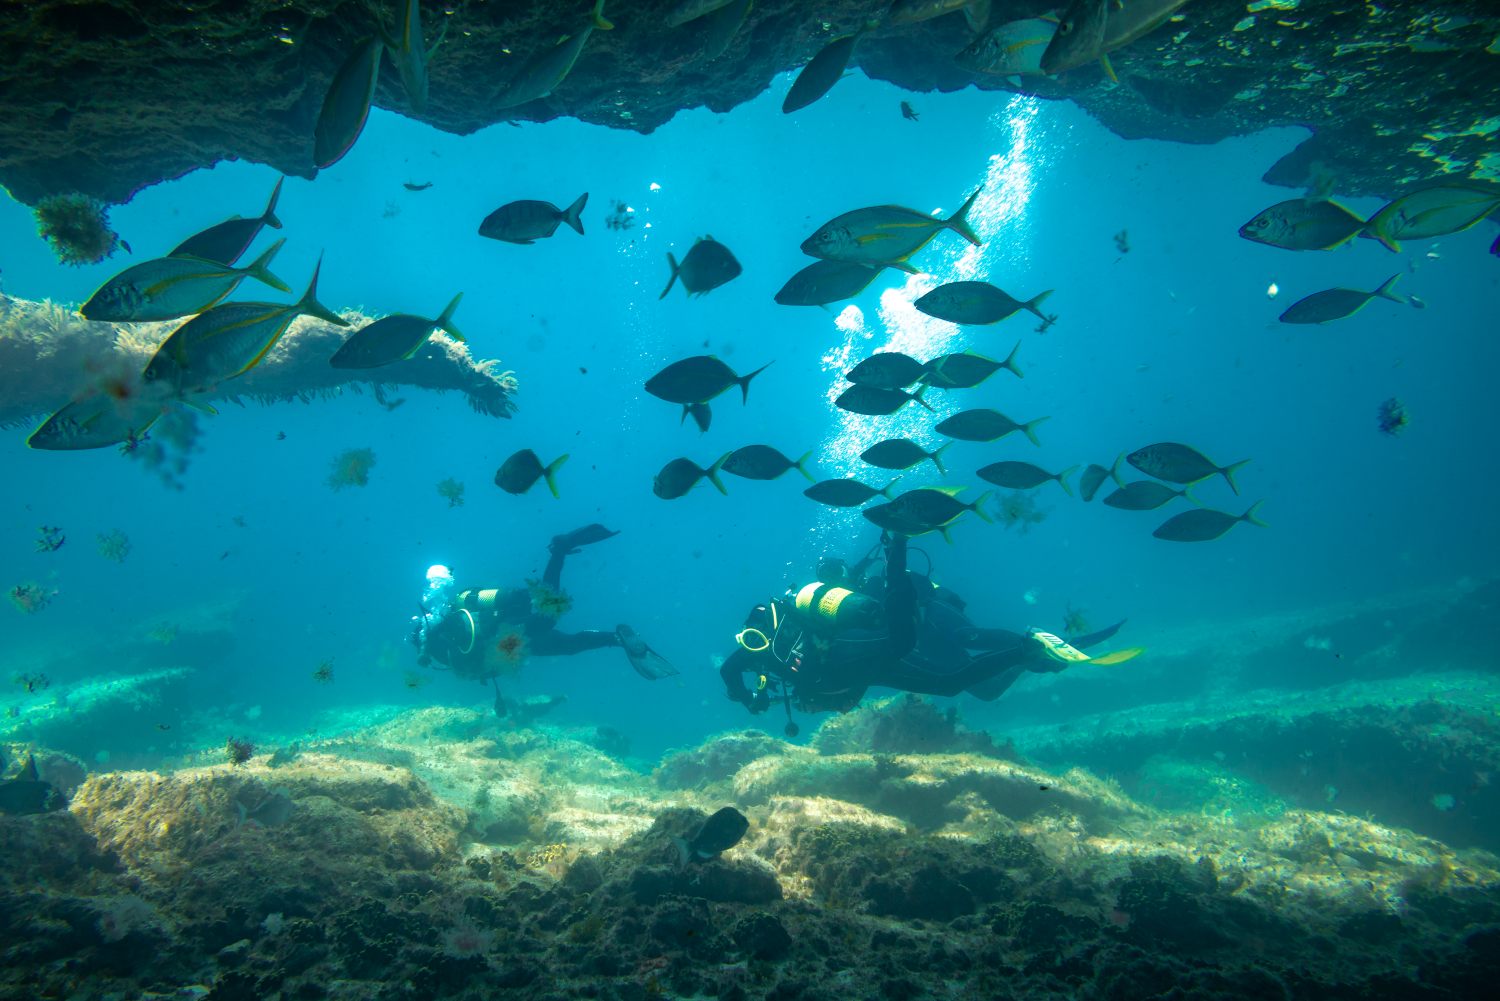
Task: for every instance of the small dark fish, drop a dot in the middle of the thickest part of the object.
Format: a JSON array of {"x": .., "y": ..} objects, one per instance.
[
  {"x": 698, "y": 379},
  {"x": 1023, "y": 476},
  {"x": 164, "y": 726},
  {"x": 902, "y": 453},
  {"x": 1304, "y": 224},
  {"x": 935, "y": 506},
  {"x": 821, "y": 73},
  {"x": 393, "y": 338},
  {"x": 409, "y": 186},
  {"x": 1145, "y": 495},
  {"x": 909, "y": 113},
  {"x": 224, "y": 242},
  {"x": 1094, "y": 476},
  {"x": 125, "y": 246},
  {"x": 1204, "y": 524},
  {"x": 1079, "y": 38},
  {"x": 530, "y": 220},
  {"x": 847, "y": 493},
  {"x": 346, "y": 106},
  {"x": 886, "y": 370},
  {"x": 545, "y": 71},
  {"x": 874, "y": 402},
  {"x": 976, "y": 303},
  {"x": 823, "y": 282},
  {"x": 1337, "y": 303},
  {"x": 966, "y": 370},
  {"x": 681, "y": 475},
  {"x": 1176, "y": 463},
  {"x": 700, "y": 413},
  {"x": 762, "y": 462},
  {"x": 520, "y": 472},
  {"x": 986, "y": 425},
  {"x": 718, "y": 834},
  {"x": 706, "y": 266}
]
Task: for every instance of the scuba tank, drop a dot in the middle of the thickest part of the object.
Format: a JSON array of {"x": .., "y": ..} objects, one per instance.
[{"x": 830, "y": 608}]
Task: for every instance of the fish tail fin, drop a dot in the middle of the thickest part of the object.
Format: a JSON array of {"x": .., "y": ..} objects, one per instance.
[
  {"x": 445, "y": 321},
  {"x": 1250, "y": 515},
  {"x": 1374, "y": 229},
  {"x": 886, "y": 490},
  {"x": 712, "y": 472},
  {"x": 937, "y": 457},
  {"x": 744, "y": 381},
  {"x": 573, "y": 214},
  {"x": 309, "y": 305},
  {"x": 1109, "y": 68},
  {"x": 978, "y": 508},
  {"x": 959, "y": 222},
  {"x": 1187, "y": 495},
  {"x": 1228, "y": 472},
  {"x": 268, "y": 217},
  {"x": 682, "y": 852},
  {"x": 1036, "y": 302},
  {"x": 1114, "y": 471},
  {"x": 903, "y": 265},
  {"x": 259, "y": 269},
  {"x": 917, "y": 396},
  {"x": 672, "y": 261},
  {"x": 1030, "y": 428},
  {"x": 801, "y": 466},
  {"x": 549, "y": 473},
  {"x": 1010, "y": 362},
  {"x": 1384, "y": 291},
  {"x": 1062, "y": 480},
  {"x": 600, "y": 22},
  {"x": 686, "y": 409}
]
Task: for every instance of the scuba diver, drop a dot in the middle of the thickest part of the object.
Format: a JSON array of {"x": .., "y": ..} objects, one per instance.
[
  {"x": 481, "y": 633},
  {"x": 823, "y": 645}
]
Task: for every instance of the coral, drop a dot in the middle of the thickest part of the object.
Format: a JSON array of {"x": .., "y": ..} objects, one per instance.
[
  {"x": 31, "y": 597},
  {"x": 238, "y": 750},
  {"x": 352, "y": 468},
  {"x": 1392, "y": 418},
  {"x": 452, "y": 490},
  {"x": 1019, "y": 507},
  {"x": 547, "y": 600},
  {"x": 114, "y": 546},
  {"x": 509, "y": 650},
  {"x": 76, "y": 227}
]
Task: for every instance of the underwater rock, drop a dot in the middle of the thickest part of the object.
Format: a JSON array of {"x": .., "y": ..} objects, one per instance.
[
  {"x": 716, "y": 759},
  {"x": 904, "y": 724},
  {"x": 104, "y": 101}
]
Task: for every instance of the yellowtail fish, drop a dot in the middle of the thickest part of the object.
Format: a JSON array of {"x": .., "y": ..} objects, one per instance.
[
  {"x": 1123, "y": 23},
  {"x": 903, "y": 453},
  {"x": 679, "y": 476},
  {"x": 762, "y": 462},
  {"x": 723, "y": 25},
  {"x": 707, "y": 265},
  {"x": 823, "y": 282},
  {"x": 1011, "y": 49},
  {"x": 520, "y": 472},
  {"x": 886, "y": 370},
  {"x": 1146, "y": 495},
  {"x": 99, "y": 419},
  {"x": 965, "y": 369},
  {"x": 847, "y": 493},
  {"x": 1177, "y": 463},
  {"x": 1204, "y": 524},
  {"x": 228, "y": 341},
  {"x": 1023, "y": 476},
  {"x": 986, "y": 425},
  {"x": 1079, "y": 38},
  {"x": 393, "y": 338},
  {"x": 976, "y": 302},
  {"x": 690, "y": 10},
  {"x": 530, "y": 220},
  {"x": 885, "y": 234},
  {"x": 224, "y": 242},
  {"x": 1304, "y": 224},
  {"x": 934, "y": 506},
  {"x": 892, "y": 520},
  {"x": 169, "y": 287},
  {"x": 977, "y": 12},
  {"x": 1431, "y": 212},
  {"x": 1337, "y": 303},
  {"x": 346, "y": 106},
  {"x": 544, "y": 72},
  {"x": 698, "y": 379},
  {"x": 873, "y": 402},
  {"x": 410, "y": 55},
  {"x": 1094, "y": 476},
  {"x": 822, "y": 71}
]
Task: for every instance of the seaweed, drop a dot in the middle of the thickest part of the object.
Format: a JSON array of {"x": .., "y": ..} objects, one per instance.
[{"x": 76, "y": 227}]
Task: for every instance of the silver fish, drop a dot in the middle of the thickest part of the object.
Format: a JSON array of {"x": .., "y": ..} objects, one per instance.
[
  {"x": 169, "y": 287},
  {"x": 545, "y": 71}
]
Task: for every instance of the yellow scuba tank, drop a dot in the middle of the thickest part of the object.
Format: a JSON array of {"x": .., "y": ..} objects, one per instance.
[{"x": 830, "y": 607}]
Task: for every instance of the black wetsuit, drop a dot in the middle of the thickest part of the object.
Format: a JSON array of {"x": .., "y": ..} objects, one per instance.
[{"x": 926, "y": 645}]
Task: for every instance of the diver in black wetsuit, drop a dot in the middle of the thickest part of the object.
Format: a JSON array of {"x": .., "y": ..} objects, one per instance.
[
  {"x": 825, "y": 644},
  {"x": 481, "y": 633}
]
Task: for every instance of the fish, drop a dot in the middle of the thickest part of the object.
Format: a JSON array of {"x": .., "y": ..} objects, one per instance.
[
  {"x": 719, "y": 833},
  {"x": 27, "y": 793},
  {"x": 762, "y": 462},
  {"x": 885, "y": 234},
  {"x": 723, "y": 25},
  {"x": 700, "y": 413},
  {"x": 1304, "y": 224},
  {"x": 346, "y": 106},
  {"x": 847, "y": 493},
  {"x": 1431, "y": 212},
  {"x": 228, "y": 341},
  {"x": 986, "y": 425},
  {"x": 1123, "y": 23},
  {"x": 1094, "y": 476},
  {"x": 690, "y": 10},
  {"x": 98, "y": 419},
  {"x": 529, "y": 220},
  {"x": 935, "y": 506},
  {"x": 909, "y": 113},
  {"x": 975, "y": 302},
  {"x": 393, "y": 338},
  {"x": 892, "y": 520},
  {"x": 1177, "y": 463},
  {"x": 679, "y": 476},
  {"x": 873, "y": 402},
  {"x": 1337, "y": 303},
  {"x": 706, "y": 266},
  {"x": 965, "y": 370},
  {"x": 545, "y": 71},
  {"x": 224, "y": 242},
  {"x": 1145, "y": 495},
  {"x": 1023, "y": 476},
  {"x": 169, "y": 287},
  {"x": 413, "y": 186},
  {"x": 902, "y": 453},
  {"x": 1079, "y": 38},
  {"x": 823, "y": 282},
  {"x": 822, "y": 71},
  {"x": 886, "y": 370},
  {"x": 1204, "y": 524},
  {"x": 520, "y": 472},
  {"x": 410, "y": 55},
  {"x": 1011, "y": 49},
  {"x": 698, "y": 379}
]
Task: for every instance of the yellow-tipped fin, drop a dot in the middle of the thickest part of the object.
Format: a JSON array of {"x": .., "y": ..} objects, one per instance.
[
  {"x": 800, "y": 467},
  {"x": 550, "y": 472}
]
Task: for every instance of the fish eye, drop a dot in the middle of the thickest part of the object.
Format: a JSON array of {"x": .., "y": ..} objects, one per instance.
[{"x": 1065, "y": 27}]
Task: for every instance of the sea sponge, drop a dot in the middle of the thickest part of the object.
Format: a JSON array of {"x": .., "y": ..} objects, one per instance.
[{"x": 77, "y": 228}]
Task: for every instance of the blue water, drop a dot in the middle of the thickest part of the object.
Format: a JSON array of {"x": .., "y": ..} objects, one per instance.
[{"x": 1176, "y": 340}]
